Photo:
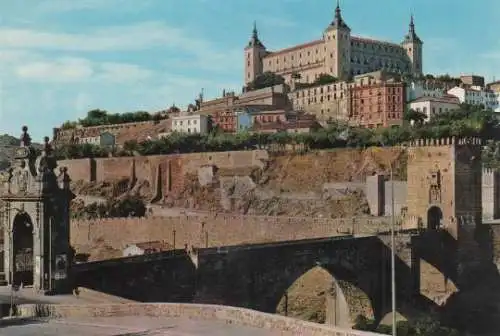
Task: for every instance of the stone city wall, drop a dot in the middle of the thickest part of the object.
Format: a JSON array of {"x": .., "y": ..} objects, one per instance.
[
  {"x": 145, "y": 167},
  {"x": 229, "y": 315},
  {"x": 214, "y": 230}
]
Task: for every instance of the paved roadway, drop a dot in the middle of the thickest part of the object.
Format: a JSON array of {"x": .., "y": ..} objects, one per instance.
[{"x": 130, "y": 326}]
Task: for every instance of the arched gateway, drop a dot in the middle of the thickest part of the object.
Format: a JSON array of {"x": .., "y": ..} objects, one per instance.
[{"x": 35, "y": 216}]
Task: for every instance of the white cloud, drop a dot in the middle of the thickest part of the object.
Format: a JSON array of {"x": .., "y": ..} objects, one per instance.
[
  {"x": 57, "y": 6},
  {"x": 62, "y": 70},
  {"x": 137, "y": 37},
  {"x": 122, "y": 72}
]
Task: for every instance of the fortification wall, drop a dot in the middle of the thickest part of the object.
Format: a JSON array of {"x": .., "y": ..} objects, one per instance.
[
  {"x": 146, "y": 166},
  {"x": 80, "y": 169},
  {"x": 215, "y": 230}
]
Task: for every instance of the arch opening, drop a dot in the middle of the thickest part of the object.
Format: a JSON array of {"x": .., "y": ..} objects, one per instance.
[
  {"x": 317, "y": 296},
  {"x": 22, "y": 250},
  {"x": 434, "y": 218}
]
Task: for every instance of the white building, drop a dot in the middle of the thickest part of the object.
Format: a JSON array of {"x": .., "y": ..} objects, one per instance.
[
  {"x": 415, "y": 90},
  {"x": 190, "y": 123},
  {"x": 104, "y": 139},
  {"x": 495, "y": 88},
  {"x": 431, "y": 106},
  {"x": 476, "y": 95}
]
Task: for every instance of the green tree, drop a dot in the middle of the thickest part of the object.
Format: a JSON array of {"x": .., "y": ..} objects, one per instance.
[
  {"x": 267, "y": 79},
  {"x": 414, "y": 117},
  {"x": 324, "y": 79}
]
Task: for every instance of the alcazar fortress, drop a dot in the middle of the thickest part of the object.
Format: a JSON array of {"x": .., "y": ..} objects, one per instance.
[{"x": 337, "y": 53}]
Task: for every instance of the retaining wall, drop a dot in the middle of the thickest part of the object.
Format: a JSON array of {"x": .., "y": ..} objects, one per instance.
[
  {"x": 229, "y": 315},
  {"x": 146, "y": 166}
]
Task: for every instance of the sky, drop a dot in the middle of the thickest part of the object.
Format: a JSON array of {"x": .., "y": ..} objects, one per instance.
[{"x": 62, "y": 58}]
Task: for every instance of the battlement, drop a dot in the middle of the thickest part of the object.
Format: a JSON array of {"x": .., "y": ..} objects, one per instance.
[
  {"x": 446, "y": 142},
  {"x": 490, "y": 171},
  {"x": 411, "y": 223}
]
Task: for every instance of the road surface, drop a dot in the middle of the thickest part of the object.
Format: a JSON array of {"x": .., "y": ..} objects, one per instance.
[{"x": 130, "y": 326}]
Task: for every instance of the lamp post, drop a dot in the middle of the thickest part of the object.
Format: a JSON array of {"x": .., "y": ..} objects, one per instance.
[
  {"x": 393, "y": 250},
  {"x": 393, "y": 256}
]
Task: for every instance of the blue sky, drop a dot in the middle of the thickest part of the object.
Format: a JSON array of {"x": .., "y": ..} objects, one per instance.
[{"x": 61, "y": 58}]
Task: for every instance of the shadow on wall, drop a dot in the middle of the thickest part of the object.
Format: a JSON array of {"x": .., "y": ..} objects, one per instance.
[
  {"x": 160, "y": 277},
  {"x": 475, "y": 306},
  {"x": 260, "y": 277}
]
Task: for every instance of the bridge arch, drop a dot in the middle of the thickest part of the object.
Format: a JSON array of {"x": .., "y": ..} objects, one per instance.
[{"x": 324, "y": 294}]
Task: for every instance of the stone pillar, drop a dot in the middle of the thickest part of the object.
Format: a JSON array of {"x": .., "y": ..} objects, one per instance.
[{"x": 375, "y": 194}]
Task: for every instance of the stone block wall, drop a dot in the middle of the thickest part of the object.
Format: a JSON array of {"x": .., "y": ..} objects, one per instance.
[
  {"x": 215, "y": 230},
  {"x": 400, "y": 194},
  {"x": 79, "y": 169},
  {"x": 490, "y": 194},
  {"x": 375, "y": 196},
  {"x": 421, "y": 162},
  {"x": 145, "y": 166}
]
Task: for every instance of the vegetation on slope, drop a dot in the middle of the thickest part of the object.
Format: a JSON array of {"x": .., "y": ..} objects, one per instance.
[
  {"x": 99, "y": 117},
  {"x": 128, "y": 206},
  {"x": 467, "y": 121}
]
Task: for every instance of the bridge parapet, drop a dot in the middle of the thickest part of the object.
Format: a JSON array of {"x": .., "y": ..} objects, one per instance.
[
  {"x": 227, "y": 314},
  {"x": 213, "y": 229}
]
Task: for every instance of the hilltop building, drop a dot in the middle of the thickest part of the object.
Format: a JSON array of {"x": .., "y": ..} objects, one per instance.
[{"x": 336, "y": 53}]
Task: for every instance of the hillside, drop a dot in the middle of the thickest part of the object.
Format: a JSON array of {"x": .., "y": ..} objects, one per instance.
[
  {"x": 7, "y": 143},
  {"x": 7, "y": 146},
  {"x": 321, "y": 184}
]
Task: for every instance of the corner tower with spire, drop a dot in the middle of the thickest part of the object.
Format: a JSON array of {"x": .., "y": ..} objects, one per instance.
[
  {"x": 254, "y": 53},
  {"x": 337, "y": 39},
  {"x": 413, "y": 46}
]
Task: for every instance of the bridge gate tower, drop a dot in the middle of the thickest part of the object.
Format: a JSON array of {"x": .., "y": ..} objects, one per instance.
[
  {"x": 34, "y": 216},
  {"x": 444, "y": 193}
]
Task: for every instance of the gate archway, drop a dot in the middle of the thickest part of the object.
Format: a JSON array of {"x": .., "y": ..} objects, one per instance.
[
  {"x": 22, "y": 250},
  {"x": 434, "y": 218}
]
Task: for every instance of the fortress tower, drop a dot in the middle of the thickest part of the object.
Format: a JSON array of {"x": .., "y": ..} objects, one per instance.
[
  {"x": 445, "y": 196},
  {"x": 444, "y": 184},
  {"x": 337, "y": 53}
]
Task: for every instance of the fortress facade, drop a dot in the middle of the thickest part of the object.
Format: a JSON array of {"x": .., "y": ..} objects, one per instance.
[{"x": 337, "y": 53}]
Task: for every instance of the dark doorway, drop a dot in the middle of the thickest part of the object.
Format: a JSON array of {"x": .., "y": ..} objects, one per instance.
[
  {"x": 22, "y": 250},
  {"x": 434, "y": 218}
]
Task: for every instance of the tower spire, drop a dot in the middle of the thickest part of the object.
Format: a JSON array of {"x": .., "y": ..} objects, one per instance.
[
  {"x": 254, "y": 40},
  {"x": 412, "y": 34},
  {"x": 338, "y": 21},
  {"x": 412, "y": 24}
]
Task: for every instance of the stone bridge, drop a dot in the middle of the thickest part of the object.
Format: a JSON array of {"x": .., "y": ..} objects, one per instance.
[{"x": 258, "y": 276}]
